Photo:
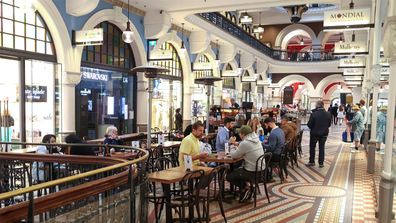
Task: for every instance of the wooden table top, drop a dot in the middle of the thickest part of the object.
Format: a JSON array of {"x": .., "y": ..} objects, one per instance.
[
  {"x": 174, "y": 175},
  {"x": 221, "y": 159},
  {"x": 167, "y": 144},
  {"x": 124, "y": 137}
]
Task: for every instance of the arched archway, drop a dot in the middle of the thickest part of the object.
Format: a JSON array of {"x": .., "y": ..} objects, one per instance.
[
  {"x": 292, "y": 30},
  {"x": 290, "y": 79}
]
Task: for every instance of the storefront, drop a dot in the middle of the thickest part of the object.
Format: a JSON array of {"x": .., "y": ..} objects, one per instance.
[
  {"x": 106, "y": 94},
  {"x": 246, "y": 89},
  {"x": 29, "y": 89},
  {"x": 167, "y": 91},
  {"x": 229, "y": 89},
  {"x": 260, "y": 94}
]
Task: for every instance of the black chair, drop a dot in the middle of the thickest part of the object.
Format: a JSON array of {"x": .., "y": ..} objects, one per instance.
[
  {"x": 188, "y": 198},
  {"x": 155, "y": 194},
  {"x": 261, "y": 174},
  {"x": 299, "y": 140},
  {"x": 281, "y": 164},
  {"x": 292, "y": 151},
  {"x": 218, "y": 175}
]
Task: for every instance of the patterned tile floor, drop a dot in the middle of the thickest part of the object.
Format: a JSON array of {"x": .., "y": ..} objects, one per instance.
[{"x": 342, "y": 191}]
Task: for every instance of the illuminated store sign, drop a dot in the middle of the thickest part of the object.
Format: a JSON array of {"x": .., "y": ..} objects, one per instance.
[
  {"x": 353, "y": 71},
  {"x": 94, "y": 76},
  {"x": 229, "y": 73},
  {"x": 350, "y": 48},
  {"x": 87, "y": 37},
  {"x": 85, "y": 92},
  {"x": 35, "y": 93},
  {"x": 160, "y": 54},
  {"x": 357, "y": 62},
  {"x": 351, "y": 18},
  {"x": 249, "y": 79},
  {"x": 202, "y": 66}
]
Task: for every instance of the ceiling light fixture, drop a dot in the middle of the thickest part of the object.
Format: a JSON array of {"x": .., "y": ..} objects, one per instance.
[
  {"x": 127, "y": 35},
  {"x": 351, "y": 5},
  {"x": 245, "y": 18},
  {"x": 302, "y": 41},
  {"x": 353, "y": 36},
  {"x": 240, "y": 70},
  {"x": 183, "y": 47},
  {"x": 259, "y": 28},
  {"x": 295, "y": 12},
  {"x": 341, "y": 38}
]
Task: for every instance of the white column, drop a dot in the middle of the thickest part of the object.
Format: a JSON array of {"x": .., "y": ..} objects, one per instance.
[
  {"x": 68, "y": 100},
  {"x": 142, "y": 107},
  {"x": 187, "y": 106},
  {"x": 357, "y": 94}
]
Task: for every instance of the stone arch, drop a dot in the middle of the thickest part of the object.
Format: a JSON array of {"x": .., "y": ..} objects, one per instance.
[
  {"x": 116, "y": 17},
  {"x": 292, "y": 30},
  {"x": 319, "y": 91},
  {"x": 290, "y": 79},
  {"x": 212, "y": 57},
  {"x": 238, "y": 83}
]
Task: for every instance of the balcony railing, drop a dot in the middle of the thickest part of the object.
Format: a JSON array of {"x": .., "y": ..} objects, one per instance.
[{"x": 233, "y": 29}]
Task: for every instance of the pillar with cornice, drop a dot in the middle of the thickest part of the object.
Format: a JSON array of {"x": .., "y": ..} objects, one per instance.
[
  {"x": 386, "y": 188},
  {"x": 68, "y": 108},
  {"x": 142, "y": 105}
]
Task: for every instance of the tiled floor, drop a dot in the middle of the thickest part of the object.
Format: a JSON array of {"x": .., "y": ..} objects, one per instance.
[{"x": 342, "y": 191}]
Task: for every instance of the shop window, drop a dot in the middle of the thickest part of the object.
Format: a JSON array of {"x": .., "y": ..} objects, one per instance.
[
  {"x": 173, "y": 65},
  {"x": 22, "y": 31},
  {"x": 228, "y": 82},
  {"x": 113, "y": 52}
]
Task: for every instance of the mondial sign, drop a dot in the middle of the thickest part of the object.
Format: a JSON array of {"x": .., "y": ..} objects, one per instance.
[
  {"x": 345, "y": 48},
  {"x": 351, "y": 18},
  {"x": 357, "y": 62}
]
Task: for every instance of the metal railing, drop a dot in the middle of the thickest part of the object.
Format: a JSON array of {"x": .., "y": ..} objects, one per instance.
[
  {"x": 233, "y": 29},
  {"x": 60, "y": 188}
]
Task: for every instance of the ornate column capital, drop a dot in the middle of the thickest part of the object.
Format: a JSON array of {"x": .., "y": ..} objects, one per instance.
[
  {"x": 390, "y": 38},
  {"x": 71, "y": 78}
]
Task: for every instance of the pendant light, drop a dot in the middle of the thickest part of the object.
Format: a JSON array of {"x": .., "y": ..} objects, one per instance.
[
  {"x": 240, "y": 70},
  {"x": 259, "y": 28},
  {"x": 182, "y": 48},
  {"x": 302, "y": 41},
  {"x": 217, "y": 60},
  {"x": 127, "y": 35}
]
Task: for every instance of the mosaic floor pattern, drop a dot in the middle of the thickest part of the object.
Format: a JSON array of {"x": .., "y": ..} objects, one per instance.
[{"x": 342, "y": 191}]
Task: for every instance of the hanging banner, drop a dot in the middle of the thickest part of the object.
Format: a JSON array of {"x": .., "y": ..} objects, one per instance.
[
  {"x": 385, "y": 70},
  {"x": 263, "y": 82},
  {"x": 347, "y": 19},
  {"x": 357, "y": 62},
  {"x": 353, "y": 82},
  {"x": 201, "y": 66},
  {"x": 353, "y": 71},
  {"x": 346, "y": 48},
  {"x": 229, "y": 73},
  {"x": 384, "y": 61},
  {"x": 354, "y": 78},
  {"x": 160, "y": 54},
  {"x": 288, "y": 95},
  {"x": 249, "y": 79},
  {"x": 87, "y": 37}
]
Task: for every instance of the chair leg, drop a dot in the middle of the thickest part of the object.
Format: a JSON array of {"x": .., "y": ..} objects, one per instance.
[
  {"x": 266, "y": 192},
  {"x": 220, "y": 200}
]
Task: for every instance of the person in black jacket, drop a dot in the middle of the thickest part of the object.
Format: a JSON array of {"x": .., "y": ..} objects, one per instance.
[{"x": 319, "y": 124}]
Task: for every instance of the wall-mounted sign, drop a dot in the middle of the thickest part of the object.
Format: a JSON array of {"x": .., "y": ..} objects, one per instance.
[
  {"x": 353, "y": 82},
  {"x": 85, "y": 92},
  {"x": 288, "y": 95},
  {"x": 87, "y": 37},
  {"x": 263, "y": 82},
  {"x": 357, "y": 62},
  {"x": 385, "y": 70},
  {"x": 159, "y": 54},
  {"x": 202, "y": 66},
  {"x": 353, "y": 71},
  {"x": 384, "y": 78},
  {"x": 94, "y": 76},
  {"x": 353, "y": 78},
  {"x": 384, "y": 61},
  {"x": 344, "y": 19},
  {"x": 345, "y": 48},
  {"x": 229, "y": 73},
  {"x": 35, "y": 93},
  {"x": 249, "y": 79}
]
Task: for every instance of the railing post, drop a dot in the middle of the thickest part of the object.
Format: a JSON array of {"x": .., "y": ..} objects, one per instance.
[
  {"x": 30, "y": 218},
  {"x": 132, "y": 202}
]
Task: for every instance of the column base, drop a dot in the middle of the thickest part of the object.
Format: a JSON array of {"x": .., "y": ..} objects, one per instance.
[
  {"x": 385, "y": 201},
  {"x": 371, "y": 148},
  {"x": 366, "y": 138}
]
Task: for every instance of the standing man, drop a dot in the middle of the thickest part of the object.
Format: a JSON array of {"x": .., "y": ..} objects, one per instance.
[
  {"x": 364, "y": 112},
  {"x": 334, "y": 111},
  {"x": 234, "y": 104},
  {"x": 223, "y": 135},
  {"x": 178, "y": 120},
  {"x": 319, "y": 124},
  {"x": 190, "y": 144}
]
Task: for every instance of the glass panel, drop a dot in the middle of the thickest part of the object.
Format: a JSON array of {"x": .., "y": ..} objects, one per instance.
[
  {"x": 40, "y": 46},
  {"x": 30, "y": 45},
  {"x": 19, "y": 43},
  {"x": 19, "y": 29},
  {"x": 9, "y": 91},
  {"x": 8, "y": 41},
  {"x": 8, "y": 26},
  {"x": 8, "y": 1},
  {"x": 41, "y": 34},
  {"x": 19, "y": 15},
  {"x": 40, "y": 99},
  {"x": 30, "y": 31},
  {"x": 8, "y": 11},
  {"x": 39, "y": 22},
  {"x": 30, "y": 18},
  {"x": 49, "y": 49}
]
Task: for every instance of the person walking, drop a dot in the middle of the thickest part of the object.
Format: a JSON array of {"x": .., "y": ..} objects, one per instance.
[
  {"x": 357, "y": 124},
  {"x": 381, "y": 126},
  {"x": 319, "y": 124},
  {"x": 334, "y": 112},
  {"x": 340, "y": 114}
]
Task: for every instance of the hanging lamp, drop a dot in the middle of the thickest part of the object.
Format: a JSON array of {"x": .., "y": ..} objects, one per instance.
[{"x": 127, "y": 35}]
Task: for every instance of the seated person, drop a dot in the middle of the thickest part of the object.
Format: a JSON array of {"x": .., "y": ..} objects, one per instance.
[
  {"x": 249, "y": 149},
  {"x": 275, "y": 141},
  {"x": 212, "y": 128},
  {"x": 288, "y": 130},
  {"x": 223, "y": 135},
  {"x": 79, "y": 150},
  {"x": 190, "y": 145},
  {"x": 111, "y": 137},
  {"x": 40, "y": 170}
]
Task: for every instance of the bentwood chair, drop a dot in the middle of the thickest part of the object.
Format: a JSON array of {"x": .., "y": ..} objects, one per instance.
[
  {"x": 281, "y": 164},
  {"x": 299, "y": 140},
  {"x": 261, "y": 174}
]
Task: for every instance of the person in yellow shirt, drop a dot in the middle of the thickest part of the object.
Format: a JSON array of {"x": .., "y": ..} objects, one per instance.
[{"x": 190, "y": 144}]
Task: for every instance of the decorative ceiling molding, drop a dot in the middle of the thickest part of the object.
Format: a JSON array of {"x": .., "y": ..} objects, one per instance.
[
  {"x": 156, "y": 24},
  {"x": 80, "y": 7},
  {"x": 124, "y": 5}
]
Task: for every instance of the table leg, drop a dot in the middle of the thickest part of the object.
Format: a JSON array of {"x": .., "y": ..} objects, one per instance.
[{"x": 168, "y": 209}]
